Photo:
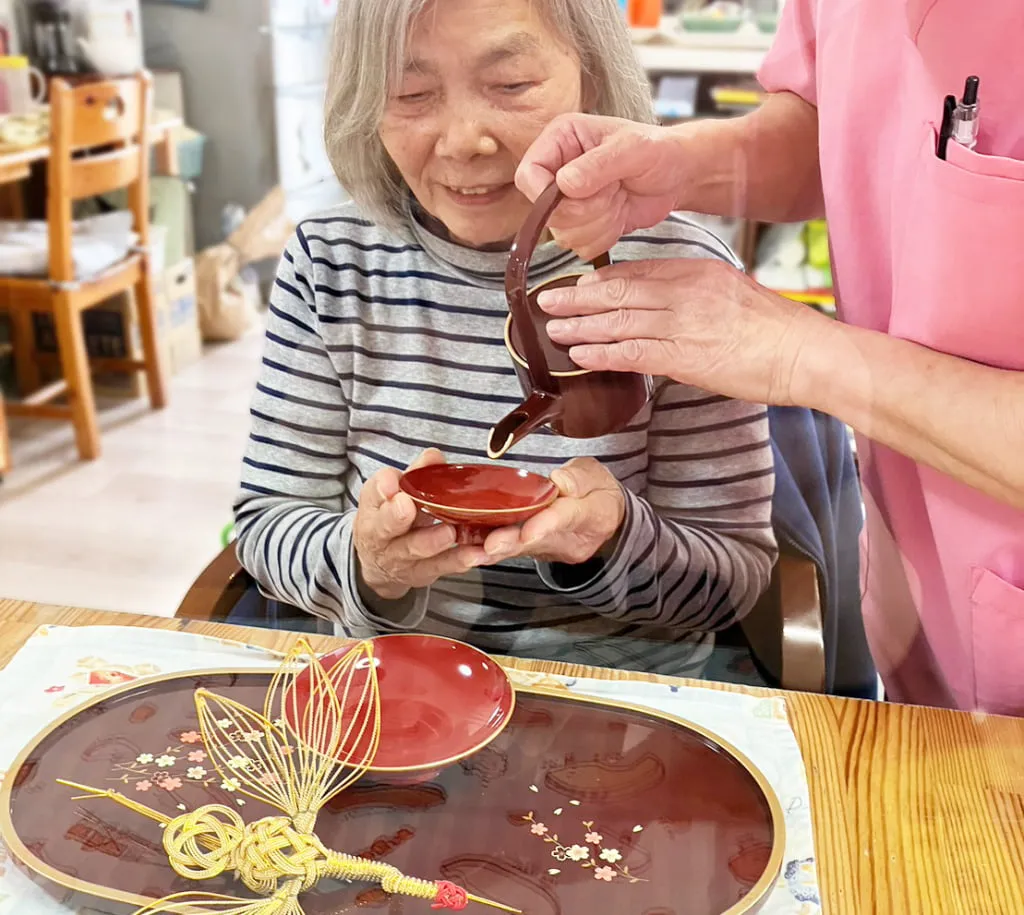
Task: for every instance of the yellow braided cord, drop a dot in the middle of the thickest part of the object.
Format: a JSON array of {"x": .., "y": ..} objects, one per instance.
[
  {"x": 292, "y": 757},
  {"x": 347, "y": 867},
  {"x": 210, "y": 841}
]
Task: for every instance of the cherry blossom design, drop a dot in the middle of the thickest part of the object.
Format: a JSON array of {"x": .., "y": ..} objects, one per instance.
[
  {"x": 230, "y": 784},
  {"x": 171, "y": 784},
  {"x": 166, "y": 761},
  {"x": 191, "y": 737},
  {"x": 270, "y": 779},
  {"x": 144, "y": 785},
  {"x": 586, "y": 855},
  {"x": 197, "y": 773},
  {"x": 197, "y": 756},
  {"x": 239, "y": 762},
  {"x": 144, "y": 759},
  {"x": 53, "y": 690}
]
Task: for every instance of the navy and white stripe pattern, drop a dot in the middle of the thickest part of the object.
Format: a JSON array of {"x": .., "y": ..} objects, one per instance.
[{"x": 380, "y": 345}]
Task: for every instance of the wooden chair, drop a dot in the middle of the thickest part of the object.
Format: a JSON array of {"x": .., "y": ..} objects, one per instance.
[
  {"x": 5, "y": 444},
  {"x": 100, "y": 143},
  {"x": 784, "y": 631}
]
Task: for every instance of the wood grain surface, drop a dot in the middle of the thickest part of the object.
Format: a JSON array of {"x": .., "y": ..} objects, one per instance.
[{"x": 915, "y": 810}]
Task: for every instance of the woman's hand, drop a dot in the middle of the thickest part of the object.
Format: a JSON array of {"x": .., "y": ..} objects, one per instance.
[
  {"x": 618, "y": 175},
  {"x": 584, "y": 518},
  {"x": 400, "y": 549},
  {"x": 701, "y": 322}
]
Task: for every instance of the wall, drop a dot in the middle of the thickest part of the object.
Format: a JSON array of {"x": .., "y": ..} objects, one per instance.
[{"x": 225, "y": 60}]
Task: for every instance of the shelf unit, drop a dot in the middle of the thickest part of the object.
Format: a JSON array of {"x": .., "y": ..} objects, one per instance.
[
  {"x": 662, "y": 58},
  {"x": 706, "y": 54}
]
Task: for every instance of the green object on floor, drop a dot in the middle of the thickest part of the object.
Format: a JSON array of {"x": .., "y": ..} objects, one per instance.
[
  {"x": 227, "y": 535},
  {"x": 818, "y": 254}
]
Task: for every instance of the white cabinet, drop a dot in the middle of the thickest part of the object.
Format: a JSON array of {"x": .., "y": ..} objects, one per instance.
[{"x": 300, "y": 32}]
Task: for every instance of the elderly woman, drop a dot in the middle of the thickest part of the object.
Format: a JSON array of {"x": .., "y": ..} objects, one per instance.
[{"x": 386, "y": 342}]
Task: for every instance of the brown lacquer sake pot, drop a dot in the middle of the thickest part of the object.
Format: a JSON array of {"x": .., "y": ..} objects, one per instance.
[{"x": 571, "y": 401}]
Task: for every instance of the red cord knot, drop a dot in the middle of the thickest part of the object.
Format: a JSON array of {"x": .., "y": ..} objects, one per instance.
[{"x": 450, "y": 896}]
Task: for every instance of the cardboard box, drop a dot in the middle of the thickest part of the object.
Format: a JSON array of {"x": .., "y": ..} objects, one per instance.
[{"x": 178, "y": 317}]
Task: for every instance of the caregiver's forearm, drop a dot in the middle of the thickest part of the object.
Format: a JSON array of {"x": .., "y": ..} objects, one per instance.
[
  {"x": 762, "y": 166},
  {"x": 961, "y": 418}
]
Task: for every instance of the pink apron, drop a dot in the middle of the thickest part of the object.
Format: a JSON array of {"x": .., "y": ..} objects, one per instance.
[{"x": 930, "y": 251}]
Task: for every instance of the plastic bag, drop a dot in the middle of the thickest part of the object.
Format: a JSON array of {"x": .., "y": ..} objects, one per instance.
[{"x": 227, "y": 293}]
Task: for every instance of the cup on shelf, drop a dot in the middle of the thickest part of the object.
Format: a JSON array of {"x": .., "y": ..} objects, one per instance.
[
  {"x": 22, "y": 87},
  {"x": 644, "y": 14}
]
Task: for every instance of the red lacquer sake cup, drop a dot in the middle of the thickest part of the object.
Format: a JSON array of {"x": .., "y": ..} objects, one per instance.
[
  {"x": 478, "y": 498},
  {"x": 440, "y": 702}
]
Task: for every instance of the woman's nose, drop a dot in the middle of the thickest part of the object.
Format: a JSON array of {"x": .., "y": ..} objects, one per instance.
[{"x": 464, "y": 137}]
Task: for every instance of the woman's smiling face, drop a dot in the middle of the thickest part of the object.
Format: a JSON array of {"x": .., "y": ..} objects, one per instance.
[{"x": 481, "y": 79}]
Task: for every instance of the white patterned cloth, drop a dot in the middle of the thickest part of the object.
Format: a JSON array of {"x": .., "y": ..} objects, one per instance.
[{"x": 62, "y": 667}]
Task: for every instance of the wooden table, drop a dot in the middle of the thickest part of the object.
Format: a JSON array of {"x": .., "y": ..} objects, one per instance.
[{"x": 915, "y": 810}]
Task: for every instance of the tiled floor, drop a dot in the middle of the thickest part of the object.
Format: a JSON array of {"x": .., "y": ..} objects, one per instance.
[{"x": 132, "y": 530}]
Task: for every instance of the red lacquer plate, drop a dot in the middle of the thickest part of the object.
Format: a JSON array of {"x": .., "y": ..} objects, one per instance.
[
  {"x": 440, "y": 701},
  {"x": 478, "y": 498}
]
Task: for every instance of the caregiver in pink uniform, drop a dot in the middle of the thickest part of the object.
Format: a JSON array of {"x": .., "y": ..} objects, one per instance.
[{"x": 928, "y": 255}]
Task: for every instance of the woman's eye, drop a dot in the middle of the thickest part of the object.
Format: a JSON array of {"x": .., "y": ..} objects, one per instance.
[
  {"x": 514, "y": 88},
  {"x": 411, "y": 98}
]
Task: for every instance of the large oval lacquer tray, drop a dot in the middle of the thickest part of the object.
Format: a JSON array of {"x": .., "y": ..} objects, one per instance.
[{"x": 577, "y": 808}]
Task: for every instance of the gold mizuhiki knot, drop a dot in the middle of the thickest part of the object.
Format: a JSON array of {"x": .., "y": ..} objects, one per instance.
[{"x": 205, "y": 843}]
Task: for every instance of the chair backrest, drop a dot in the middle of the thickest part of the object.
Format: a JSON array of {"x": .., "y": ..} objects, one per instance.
[{"x": 99, "y": 137}]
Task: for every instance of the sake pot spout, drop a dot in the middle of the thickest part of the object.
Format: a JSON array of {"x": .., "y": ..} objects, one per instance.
[{"x": 539, "y": 408}]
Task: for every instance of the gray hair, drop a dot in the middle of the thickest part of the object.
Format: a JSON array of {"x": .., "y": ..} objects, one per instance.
[{"x": 367, "y": 54}]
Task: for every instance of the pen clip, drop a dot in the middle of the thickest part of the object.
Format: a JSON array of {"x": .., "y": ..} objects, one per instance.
[{"x": 946, "y": 130}]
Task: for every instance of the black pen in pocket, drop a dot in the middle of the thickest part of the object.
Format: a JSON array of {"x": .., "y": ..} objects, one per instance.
[{"x": 946, "y": 130}]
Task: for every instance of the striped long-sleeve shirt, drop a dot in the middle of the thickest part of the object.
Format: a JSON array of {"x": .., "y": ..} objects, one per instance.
[{"x": 381, "y": 344}]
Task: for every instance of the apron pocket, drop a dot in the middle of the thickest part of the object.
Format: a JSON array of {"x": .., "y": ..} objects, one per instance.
[
  {"x": 957, "y": 285},
  {"x": 997, "y": 625}
]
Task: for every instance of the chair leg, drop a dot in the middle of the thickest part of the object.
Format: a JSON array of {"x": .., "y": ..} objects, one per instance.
[
  {"x": 23, "y": 337},
  {"x": 146, "y": 308},
  {"x": 74, "y": 361},
  {"x": 5, "y": 442}
]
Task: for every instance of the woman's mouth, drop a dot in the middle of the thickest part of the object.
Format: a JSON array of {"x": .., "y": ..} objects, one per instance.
[{"x": 477, "y": 195}]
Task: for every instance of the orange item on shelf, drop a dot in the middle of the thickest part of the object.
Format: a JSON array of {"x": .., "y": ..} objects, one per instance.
[{"x": 644, "y": 14}]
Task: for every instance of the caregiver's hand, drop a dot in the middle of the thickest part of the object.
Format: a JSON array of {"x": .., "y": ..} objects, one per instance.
[
  {"x": 618, "y": 175},
  {"x": 398, "y": 548},
  {"x": 584, "y": 518},
  {"x": 701, "y": 322}
]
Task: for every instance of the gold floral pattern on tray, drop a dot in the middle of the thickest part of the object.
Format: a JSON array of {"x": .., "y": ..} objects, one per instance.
[
  {"x": 591, "y": 851},
  {"x": 186, "y": 763}
]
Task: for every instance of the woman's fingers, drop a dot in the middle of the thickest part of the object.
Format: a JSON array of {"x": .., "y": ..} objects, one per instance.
[
  {"x": 567, "y": 142},
  {"x": 427, "y": 459},
  {"x": 456, "y": 561},
  {"x": 673, "y": 268},
  {"x": 614, "y": 326},
  {"x": 615, "y": 294},
  {"x": 422, "y": 543},
  {"x": 647, "y": 357}
]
